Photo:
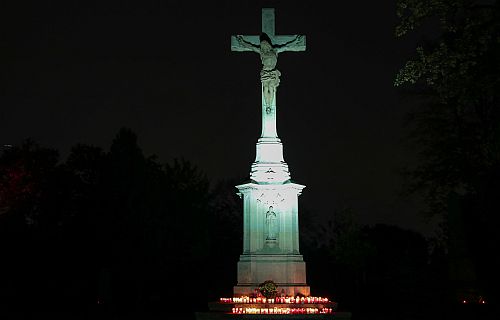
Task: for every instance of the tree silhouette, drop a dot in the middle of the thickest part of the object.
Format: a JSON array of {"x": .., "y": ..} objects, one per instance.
[{"x": 456, "y": 76}]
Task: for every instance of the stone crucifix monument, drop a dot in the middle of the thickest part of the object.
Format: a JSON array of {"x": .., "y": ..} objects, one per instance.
[{"x": 270, "y": 198}]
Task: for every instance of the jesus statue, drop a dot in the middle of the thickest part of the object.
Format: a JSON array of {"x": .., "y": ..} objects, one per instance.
[{"x": 269, "y": 75}]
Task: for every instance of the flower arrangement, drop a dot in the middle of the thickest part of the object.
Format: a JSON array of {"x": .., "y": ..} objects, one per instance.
[{"x": 268, "y": 289}]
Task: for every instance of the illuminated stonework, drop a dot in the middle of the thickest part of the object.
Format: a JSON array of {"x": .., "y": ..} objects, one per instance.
[
  {"x": 270, "y": 198},
  {"x": 270, "y": 212}
]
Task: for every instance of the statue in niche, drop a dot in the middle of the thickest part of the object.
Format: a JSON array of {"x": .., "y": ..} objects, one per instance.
[
  {"x": 269, "y": 75},
  {"x": 271, "y": 224}
]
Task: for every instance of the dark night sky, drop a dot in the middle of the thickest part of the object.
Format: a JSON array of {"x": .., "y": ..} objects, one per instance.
[{"x": 78, "y": 72}]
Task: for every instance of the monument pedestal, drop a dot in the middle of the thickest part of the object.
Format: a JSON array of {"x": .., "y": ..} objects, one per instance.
[
  {"x": 286, "y": 270},
  {"x": 271, "y": 239}
]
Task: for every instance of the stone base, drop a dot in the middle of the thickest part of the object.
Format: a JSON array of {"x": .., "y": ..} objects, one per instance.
[
  {"x": 289, "y": 289},
  {"x": 288, "y": 271}
]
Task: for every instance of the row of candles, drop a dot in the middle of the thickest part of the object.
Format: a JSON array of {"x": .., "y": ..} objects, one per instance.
[
  {"x": 297, "y": 299},
  {"x": 281, "y": 310}
]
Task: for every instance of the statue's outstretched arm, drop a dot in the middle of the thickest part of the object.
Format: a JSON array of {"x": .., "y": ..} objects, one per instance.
[
  {"x": 247, "y": 44},
  {"x": 298, "y": 40}
]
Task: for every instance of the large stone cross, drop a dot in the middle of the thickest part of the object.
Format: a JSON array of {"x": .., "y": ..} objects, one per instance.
[
  {"x": 269, "y": 55},
  {"x": 270, "y": 198}
]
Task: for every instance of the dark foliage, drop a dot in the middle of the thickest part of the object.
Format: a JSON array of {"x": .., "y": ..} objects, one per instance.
[
  {"x": 455, "y": 74},
  {"x": 112, "y": 231}
]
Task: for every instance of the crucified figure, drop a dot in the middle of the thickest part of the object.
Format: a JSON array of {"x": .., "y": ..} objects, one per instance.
[{"x": 269, "y": 75}]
